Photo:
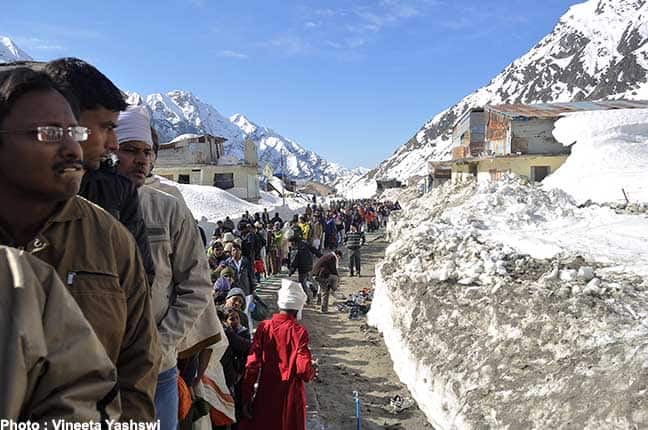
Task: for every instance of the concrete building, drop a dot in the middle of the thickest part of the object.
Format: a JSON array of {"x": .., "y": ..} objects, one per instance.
[
  {"x": 200, "y": 160},
  {"x": 468, "y": 134},
  {"x": 532, "y": 167},
  {"x": 518, "y": 139},
  {"x": 438, "y": 174}
]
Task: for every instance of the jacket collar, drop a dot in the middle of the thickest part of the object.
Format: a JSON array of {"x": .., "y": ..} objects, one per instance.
[
  {"x": 69, "y": 211},
  {"x": 282, "y": 317}
]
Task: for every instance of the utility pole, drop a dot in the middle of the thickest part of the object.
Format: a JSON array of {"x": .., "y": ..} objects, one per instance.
[{"x": 283, "y": 178}]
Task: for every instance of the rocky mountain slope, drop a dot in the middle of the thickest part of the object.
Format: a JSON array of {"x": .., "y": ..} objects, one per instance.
[
  {"x": 9, "y": 51},
  {"x": 597, "y": 50},
  {"x": 179, "y": 112}
]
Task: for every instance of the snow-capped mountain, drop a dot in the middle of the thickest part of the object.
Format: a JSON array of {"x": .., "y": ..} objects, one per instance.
[
  {"x": 298, "y": 162},
  {"x": 598, "y": 49},
  {"x": 180, "y": 112},
  {"x": 9, "y": 51}
]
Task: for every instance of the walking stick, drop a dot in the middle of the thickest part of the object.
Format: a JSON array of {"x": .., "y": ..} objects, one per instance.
[{"x": 357, "y": 403}]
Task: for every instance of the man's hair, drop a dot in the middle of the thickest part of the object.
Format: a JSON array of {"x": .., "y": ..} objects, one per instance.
[
  {"x": 91, "y": 88},
  {"x": 17, "y": 82},
  {"x": 338, "y": 252}
]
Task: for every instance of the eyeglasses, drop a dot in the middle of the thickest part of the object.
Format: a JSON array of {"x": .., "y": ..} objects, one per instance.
[{"x": 50, "y": 133}]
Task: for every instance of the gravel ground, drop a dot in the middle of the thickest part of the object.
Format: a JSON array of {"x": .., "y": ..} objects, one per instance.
[{"x": 352, "y": 357}]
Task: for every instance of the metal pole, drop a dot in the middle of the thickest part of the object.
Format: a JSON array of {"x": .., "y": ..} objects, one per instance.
[
  {"x": 356, "y": 397},
  {"x": 283, "y": 177}
]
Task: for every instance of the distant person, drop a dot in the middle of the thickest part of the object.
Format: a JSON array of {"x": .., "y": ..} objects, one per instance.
[
  {"x": 244, "y": 278},
  {"x": 354, "y": 240},
  {"x": 228, "y": 225},
  {"x": 278, "y": 364},
  {"x": 276, "y": 219},
  {"x": 301, "y": 261},
  {"x": 326, "y": 273}
]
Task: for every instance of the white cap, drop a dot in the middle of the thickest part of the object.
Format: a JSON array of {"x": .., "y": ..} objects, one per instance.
[
  {"x": 291, "y": 296},
  {"x": 134, "y": 124}
]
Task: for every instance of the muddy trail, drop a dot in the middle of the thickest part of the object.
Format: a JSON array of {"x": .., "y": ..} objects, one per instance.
[{"x": 352, "y": 357}]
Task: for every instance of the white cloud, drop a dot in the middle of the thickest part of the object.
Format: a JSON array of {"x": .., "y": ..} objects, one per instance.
[
  {"x": 232, "y": 54},
  {"x": 34, "y": 44}
]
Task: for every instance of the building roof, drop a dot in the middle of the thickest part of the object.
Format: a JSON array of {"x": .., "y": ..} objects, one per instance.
[
  {"x": 465, "y": 114},
  {"x": 188, "y": 136},
  {"x": 553, "y": 110}
]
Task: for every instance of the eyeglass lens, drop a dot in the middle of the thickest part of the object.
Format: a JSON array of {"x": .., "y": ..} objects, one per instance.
[{"x": 55, "y": 134}]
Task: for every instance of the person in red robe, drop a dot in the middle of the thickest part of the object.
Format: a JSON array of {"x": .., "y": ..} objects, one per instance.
[{"x": 279, "y": 363}]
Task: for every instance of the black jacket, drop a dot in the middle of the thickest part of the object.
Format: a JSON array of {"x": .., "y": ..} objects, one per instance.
[
  {"x": 117, "y": 195},
  {"x": 244, "y": 278},
  {"x": 301, "y": 257}
]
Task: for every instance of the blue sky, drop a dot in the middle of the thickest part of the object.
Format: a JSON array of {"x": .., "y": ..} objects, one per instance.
[{"x": 350, "y": 80}]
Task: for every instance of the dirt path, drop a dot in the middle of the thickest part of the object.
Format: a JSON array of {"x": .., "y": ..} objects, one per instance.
[{"x": 352, "y": 357}]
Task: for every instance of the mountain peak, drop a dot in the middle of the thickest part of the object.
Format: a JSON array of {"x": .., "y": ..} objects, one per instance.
[
  {"x": 9, "y": 51},
  {"x": 180, "y": 112},
  {"x": 244, "y": 123}
]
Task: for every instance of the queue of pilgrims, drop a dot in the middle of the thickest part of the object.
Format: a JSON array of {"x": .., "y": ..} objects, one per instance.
[{"x": 112, "y": 310}]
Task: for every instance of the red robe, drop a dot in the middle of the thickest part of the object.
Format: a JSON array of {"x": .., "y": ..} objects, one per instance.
[{"x": 280, "y": 352}]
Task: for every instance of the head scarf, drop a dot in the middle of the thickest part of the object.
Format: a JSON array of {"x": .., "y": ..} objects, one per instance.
[
  {"x": 134, "y": 124},
  {"x": 291, "y": 296}
]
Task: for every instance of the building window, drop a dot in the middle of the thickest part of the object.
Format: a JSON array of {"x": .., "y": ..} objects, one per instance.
[
  {"x": 538, "y": 173},
  {"x": 183, "y": 179},
  {"x": 495, "y": 174},
  {"x": 224, "y": 181}
]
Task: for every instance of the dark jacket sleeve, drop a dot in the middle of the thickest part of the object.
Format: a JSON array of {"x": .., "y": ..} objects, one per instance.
[
  {"x": 131, "y": 217},
  {"x": 250, "y": 273}
]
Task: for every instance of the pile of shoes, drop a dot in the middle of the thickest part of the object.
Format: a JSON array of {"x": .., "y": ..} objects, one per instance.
[
  {"x": 357, "y": 304},
  {"x": 398, "y": 403}
]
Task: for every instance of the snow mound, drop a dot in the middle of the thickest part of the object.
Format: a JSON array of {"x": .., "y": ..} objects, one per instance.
[
  {"x": 356, "y": 187},
  {"x": 211, "y": 204},
  {"x": 609, "y": 156},
  {"x": 488, "y": 336},
  {"x": 214, "y": 204}
]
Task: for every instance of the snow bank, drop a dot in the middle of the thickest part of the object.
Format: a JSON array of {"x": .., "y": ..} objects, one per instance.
[
  {"x": 214, "y": 204},
  {"x": 486, "y": 336},
  {"x": 210, "y": 204},
  {"x": 356, "y": 187},
  {"x": 610, "y": 154}
]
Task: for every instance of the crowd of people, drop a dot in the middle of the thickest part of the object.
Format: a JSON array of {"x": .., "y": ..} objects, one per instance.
[
  {"x": 310, "y": 244},
  {"x": 112, "y": 306}
]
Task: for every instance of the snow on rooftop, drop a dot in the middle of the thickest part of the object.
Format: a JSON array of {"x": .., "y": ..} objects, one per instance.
[
  {"x": 609, "y": 156},
  {"x": 184, "y": 137}
]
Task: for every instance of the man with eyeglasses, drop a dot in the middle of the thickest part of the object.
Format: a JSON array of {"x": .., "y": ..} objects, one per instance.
[
  {"x": 41, "y": 167},
  {"x": 100, "y": 102}
]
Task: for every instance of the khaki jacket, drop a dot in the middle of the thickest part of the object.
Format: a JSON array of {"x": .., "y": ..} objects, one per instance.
[
  {"x": 98, "y": 261},
  {"x": 208, "y": 329},
  {"x": 182, "y": 288},
  {"x": 52, "y": 364}
]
